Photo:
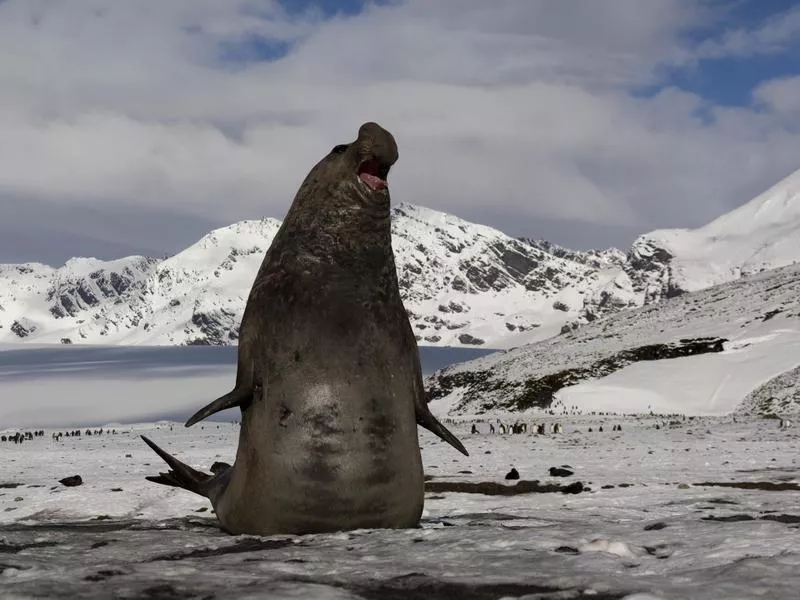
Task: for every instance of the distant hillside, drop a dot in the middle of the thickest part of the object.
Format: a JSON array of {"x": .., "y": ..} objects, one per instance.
[
  {"x": 759, "y": 235},
  {"x": 702, "y": 352},
  {"x": 463, "y": 285}
]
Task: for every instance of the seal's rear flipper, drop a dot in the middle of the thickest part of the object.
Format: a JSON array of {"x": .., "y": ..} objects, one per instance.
[
  {"x": 429, "y": 422},
  {"x": 240, "y": 396},
  {"x": 181, "y": 475}
]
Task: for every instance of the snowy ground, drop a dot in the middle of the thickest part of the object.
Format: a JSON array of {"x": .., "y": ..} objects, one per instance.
[
  {"x": 647, "y": 529},
  {"x": 710, "y": 384}
]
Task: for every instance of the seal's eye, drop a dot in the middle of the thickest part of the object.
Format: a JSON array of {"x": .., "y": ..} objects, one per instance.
[{"x": 339, "y": 149}]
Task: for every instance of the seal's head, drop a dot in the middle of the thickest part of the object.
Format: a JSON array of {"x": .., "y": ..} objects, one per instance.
[
  {"x": 351, "y": 180},
  {"x": 367, "y": 160}
]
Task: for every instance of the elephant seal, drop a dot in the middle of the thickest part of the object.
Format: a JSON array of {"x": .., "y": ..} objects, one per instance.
[{"x": 328, "y": 376}]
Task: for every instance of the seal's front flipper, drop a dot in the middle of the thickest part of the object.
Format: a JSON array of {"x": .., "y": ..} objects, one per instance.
[
  {"x": 240, "y": 396},
  {"x": 429, "y": 422},
  {"x": 181, "y": 475}
]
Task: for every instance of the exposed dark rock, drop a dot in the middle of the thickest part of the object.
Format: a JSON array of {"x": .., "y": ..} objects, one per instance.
[
  {"x": 6, "y": 548},
  {"x": 540, "y": 392},
  {"x": 419, "y": 586},
  {"x": 788, "y": 519},
  {"x": 86, "y": 294},
  {"x": 22, "y": 331},
  {"x": 730, "y": 518},
  {"x": 765, "y": 486},
  {"x": 559, "y": 472},
  {"x": 455, "y": 307},
  {"x": 459, "y": 284},
  {"x": 245, "y": 545},
  {"x": 166, "y": 591},
  {"x": 466, "y": 338},
  {"x": 72, "y": 481},
  {"x": 215, "y": 328},
  {"x": 512, "y": 474},
  {"x": 103, "y": 574},
  {"x": 593, "y": 258},
  {"x": 491, "y": 488},
  {"x": 574, "y": 488}
]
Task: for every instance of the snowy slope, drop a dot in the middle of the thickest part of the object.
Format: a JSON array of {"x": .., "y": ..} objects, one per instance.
[
  {"x": 759, "y": 235},
  {"x": 38, "y": 301},
  {"x": 197, "y": 294},
  {"x": 762, "y": 234},
  {"x": 609, "y": 364},
  {"x": 463, "y": 284}
]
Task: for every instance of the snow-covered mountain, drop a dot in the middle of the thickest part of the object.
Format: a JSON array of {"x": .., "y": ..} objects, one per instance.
[
  {"x": 471, "y": 284},
  {"x": 462, "y": 284},
  {"x": 701, "y": 352},
  {"x": 759, "y": 235}
]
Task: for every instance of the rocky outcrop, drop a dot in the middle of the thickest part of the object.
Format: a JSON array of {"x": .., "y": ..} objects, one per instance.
[
  {"x": 215, "y": 328},
  {"x": 596, "y": 259},
  {"x": 539, "y": 392},
  {"x": 779, "y": 397},
  {"x": 75, "y": 291},
  {"x": 645, "y": 277}
]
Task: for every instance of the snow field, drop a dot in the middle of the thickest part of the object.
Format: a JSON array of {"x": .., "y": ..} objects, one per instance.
[{"x": 652, "y": 532}]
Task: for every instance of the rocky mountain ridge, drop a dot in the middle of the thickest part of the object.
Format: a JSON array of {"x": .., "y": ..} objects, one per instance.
[{"x": 462, "y": 284}]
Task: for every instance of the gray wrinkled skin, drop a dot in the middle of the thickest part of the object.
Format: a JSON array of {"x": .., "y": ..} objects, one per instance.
[{"x": 328, "y": 378}]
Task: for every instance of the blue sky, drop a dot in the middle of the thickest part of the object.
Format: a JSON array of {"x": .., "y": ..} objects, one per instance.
[
  {"x": 729, "y": 80},
  {"x": 587, "y": 123},
  {"x": 330, "y": 8}
]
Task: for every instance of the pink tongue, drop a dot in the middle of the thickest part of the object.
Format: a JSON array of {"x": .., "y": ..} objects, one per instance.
[{"x": 376, "y": 183}]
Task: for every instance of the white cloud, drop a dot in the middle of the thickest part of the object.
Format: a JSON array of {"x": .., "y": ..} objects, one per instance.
[
  {"x": 781, "y": 96},
  {"x": 519, "y": 111}
]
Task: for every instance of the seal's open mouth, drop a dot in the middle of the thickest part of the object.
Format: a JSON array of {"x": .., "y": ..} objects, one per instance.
[{"x": 374, "y": 174}]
